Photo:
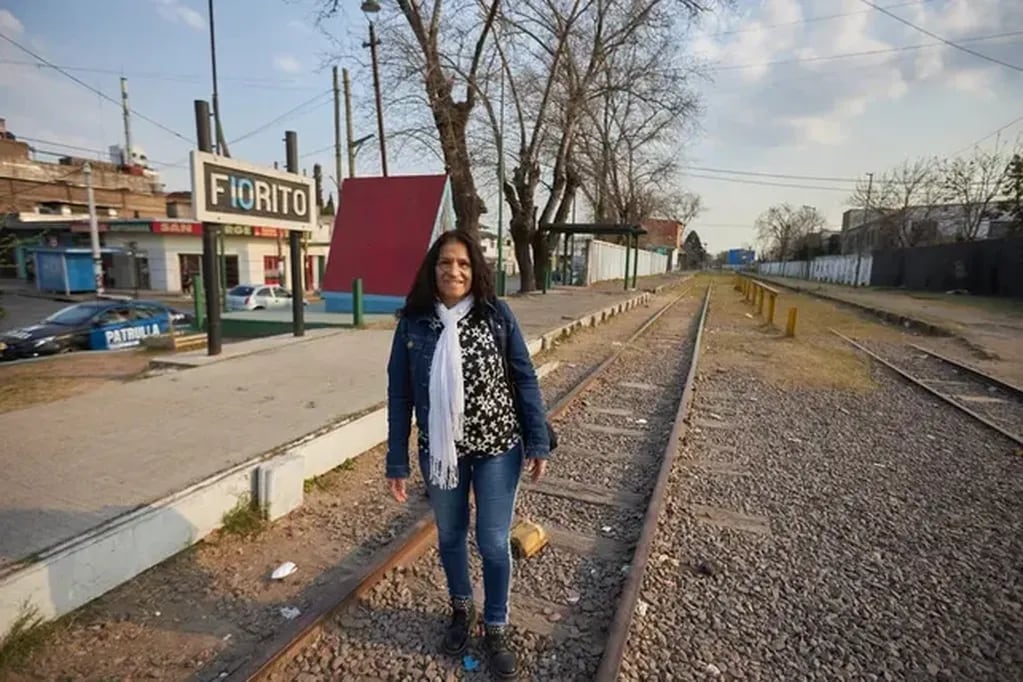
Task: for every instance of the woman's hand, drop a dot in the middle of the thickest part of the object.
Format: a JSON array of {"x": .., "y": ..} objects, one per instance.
[
  {"x": 536, "y": 469},
  {"x": 397, "y": 486}
]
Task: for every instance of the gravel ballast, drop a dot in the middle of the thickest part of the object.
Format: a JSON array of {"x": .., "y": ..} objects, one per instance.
[
  {"x": 204, "y": 611},
  {"x": 564, "y": 598},
  {"x": 880, "y": 538}
]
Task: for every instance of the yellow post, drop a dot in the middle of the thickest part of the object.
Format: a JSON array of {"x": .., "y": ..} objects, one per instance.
[
  {"x": 790, "y": 328},
  {"x": 760, "y": 302},
  {"x": 770, "y": 308}
]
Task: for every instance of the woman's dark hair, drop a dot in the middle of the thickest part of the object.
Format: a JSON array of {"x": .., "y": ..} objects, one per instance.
[{"x": 423, "y": 295}]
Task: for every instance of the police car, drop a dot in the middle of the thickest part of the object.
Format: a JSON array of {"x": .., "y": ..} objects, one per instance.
[{"x": 93, "y": 325}]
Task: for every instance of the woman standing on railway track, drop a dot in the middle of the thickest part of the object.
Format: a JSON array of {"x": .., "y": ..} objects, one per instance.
[{"x": 460, "y": 362}]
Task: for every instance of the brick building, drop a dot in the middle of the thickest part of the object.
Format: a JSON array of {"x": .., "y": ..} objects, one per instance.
[{"x": 664, "y": 234}]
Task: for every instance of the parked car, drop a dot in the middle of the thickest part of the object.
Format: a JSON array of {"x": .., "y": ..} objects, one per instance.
[
  {"x": 93, "y": 325},
  {"x": 258, "y": 297}
]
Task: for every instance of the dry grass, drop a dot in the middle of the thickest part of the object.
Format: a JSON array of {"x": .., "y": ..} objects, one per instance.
[
  {"x": 23, "y": 385},
  {"x": 738, "y": 338}
]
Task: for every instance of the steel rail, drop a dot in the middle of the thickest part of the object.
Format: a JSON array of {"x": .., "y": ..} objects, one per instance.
[
  {"x": 618, "y": 635},
  {"x": 404, "y": 550},
  {"x": 976, "y": 371},
  {"x": 912, "y": 379}
]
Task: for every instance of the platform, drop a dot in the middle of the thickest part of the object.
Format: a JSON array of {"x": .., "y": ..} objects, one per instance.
[{"x": 135, "y": 472}]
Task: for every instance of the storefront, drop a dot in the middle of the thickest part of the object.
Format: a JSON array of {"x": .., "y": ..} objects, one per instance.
[{"x": 166, "y": 255}]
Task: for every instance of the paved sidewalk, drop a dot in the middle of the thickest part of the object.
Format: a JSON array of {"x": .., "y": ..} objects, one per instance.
[
  {"x": 993, "y": 327},
  {"x": 73, "y": 464}
]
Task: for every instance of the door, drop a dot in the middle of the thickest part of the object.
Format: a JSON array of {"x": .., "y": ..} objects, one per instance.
[
  {"x": 271, "y": 270},
  {"x": 231, "y": 272},
  {"x": 189, "y": 267},
  {"x": 282, "y": 298},
  {"x": 310, "y": 282}
]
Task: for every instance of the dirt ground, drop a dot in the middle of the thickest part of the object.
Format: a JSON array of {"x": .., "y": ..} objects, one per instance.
[
  {"x": 50, "y": 379},
  {"x": 814, "y": 357}
]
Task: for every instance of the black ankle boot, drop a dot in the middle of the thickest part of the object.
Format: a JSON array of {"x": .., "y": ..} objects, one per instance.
[
  {"x": 504, "y": 664},
  {"x": 463, "y": 619}
]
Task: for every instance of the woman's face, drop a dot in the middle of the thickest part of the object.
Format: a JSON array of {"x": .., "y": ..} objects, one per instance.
[{"x": 454, "y": 273}]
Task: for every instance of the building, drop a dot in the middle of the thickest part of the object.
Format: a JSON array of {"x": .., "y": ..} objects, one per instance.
[
  {"x": 488, "y": 242},
  {"x": 919, "y": 226},
  {"x": 154, "y": 244},
  {"x": 661, "y": 234}
]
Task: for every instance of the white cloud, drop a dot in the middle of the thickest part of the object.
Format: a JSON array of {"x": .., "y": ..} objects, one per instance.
[
  {"x": 174, "y": 11},
  {"x": 287, "y": 63},
  {"x": 10, "y": 24},
  {"x": 974, "y": 81}
]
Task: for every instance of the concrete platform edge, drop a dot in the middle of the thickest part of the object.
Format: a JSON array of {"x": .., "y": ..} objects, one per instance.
[{"x": 67, "y": 576}]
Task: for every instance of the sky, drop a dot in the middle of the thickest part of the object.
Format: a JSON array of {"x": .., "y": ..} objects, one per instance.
[{"x": 788, "y": 91}]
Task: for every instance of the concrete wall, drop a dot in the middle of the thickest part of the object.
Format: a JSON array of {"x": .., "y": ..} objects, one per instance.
[
  {"x": 831, "y": 269},
  {"x": 606, "y": 261}
]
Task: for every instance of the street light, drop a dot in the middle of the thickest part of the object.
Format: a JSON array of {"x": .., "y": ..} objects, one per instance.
[{"x": 369, "y": 8}]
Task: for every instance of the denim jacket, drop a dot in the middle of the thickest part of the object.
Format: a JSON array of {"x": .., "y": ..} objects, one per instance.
[{"x": 408, "y": 384}]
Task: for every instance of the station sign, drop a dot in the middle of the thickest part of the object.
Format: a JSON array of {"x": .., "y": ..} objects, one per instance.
[{"x": 228, "y": 191}]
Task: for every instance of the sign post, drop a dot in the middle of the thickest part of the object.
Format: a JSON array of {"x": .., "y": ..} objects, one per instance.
[
  {"x": 228, "y": 191},
  {"x": 209, "y": 238}
]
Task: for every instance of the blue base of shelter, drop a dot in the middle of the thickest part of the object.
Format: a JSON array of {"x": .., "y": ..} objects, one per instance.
[{"x": 372, "y": 304}]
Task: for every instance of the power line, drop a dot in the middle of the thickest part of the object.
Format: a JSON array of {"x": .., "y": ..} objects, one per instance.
[
  {"x": 811, "y": 20},
  {"x": 863, "y": 53},
  {"x": 937, "y": 37},
  {"x": 155, "y": 75},
  {"x": 287, "y": 114},
  {"x": 770, "y": 184},
  {"x": 95, "y": 90},
  {"x": 989, "y": 135},
  {"x": 818, "y": 178}
]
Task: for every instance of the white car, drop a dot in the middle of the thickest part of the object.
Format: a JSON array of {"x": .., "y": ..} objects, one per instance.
[{"x": 258, "y": 297}]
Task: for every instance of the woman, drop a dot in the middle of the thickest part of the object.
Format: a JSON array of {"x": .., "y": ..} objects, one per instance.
[{"x": 459, "y": 360}]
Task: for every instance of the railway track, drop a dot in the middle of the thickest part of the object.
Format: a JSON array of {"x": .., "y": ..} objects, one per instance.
[
  {"x": 572, "y": 604},
  {"x": 991, "y": 401}
]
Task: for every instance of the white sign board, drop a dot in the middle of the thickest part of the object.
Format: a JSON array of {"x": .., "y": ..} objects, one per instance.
[{"x": 228, "y": 191}]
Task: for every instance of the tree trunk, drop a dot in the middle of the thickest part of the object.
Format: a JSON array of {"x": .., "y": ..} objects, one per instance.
[{"x": 520, "y": 237}]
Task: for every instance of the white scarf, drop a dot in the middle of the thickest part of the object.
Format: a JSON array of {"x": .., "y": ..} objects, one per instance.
[{"x": 447, "y": 396}]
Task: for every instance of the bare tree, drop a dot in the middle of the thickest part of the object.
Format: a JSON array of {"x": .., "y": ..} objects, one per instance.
[
  {"x": 904, "y": 199},
  {"x": 780, "y": 228},
  {"x": 974, "y": 184},
  {"x": 446, "y": 52}
]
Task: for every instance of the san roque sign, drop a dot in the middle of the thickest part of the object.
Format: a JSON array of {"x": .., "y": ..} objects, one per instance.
[{"x": 229, "y": 191}]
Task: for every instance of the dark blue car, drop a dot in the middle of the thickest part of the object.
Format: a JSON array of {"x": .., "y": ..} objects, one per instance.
[{"x": 93, "y": 325}]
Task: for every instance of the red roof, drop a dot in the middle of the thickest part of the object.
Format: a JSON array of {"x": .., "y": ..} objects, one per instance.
[{"x": 382, "y": 231}]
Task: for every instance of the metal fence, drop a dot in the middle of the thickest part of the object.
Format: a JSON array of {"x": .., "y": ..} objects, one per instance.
[{"x": 853, "y": 269}]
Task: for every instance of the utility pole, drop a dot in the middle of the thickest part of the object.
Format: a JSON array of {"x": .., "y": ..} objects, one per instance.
[
  {"x": 348, "y": 125},
  {"x": 221, "y": 146},
  {"x": 97, "y": 258},
  {"x": 128, "y": 158},
  {"x": 866, "y": 219},
  {"x": 295, "y": 245},
  {"x": 210, "y": 278},
  {"x": 337, "y": 136},
  {"x": 372, "y": 45}
]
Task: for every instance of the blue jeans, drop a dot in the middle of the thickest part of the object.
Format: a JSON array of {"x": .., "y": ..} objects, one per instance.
[{"x": 494, "y": 481}]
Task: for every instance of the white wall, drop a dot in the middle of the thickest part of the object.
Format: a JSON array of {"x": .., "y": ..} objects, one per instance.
[
  {"x": 606, "y": 261},
  {"x": 831, "y": 269}
]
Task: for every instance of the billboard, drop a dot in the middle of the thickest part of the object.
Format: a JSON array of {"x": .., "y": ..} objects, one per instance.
[{"x": 229, "y": 191}]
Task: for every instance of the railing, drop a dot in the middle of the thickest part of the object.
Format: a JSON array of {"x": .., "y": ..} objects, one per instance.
[{"x": 757, "y": 293}]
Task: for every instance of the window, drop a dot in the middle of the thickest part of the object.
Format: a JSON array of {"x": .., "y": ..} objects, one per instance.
[
  {"x": 281, "y": 293},
  {"x": 114, "y": 316},
  {"x": 265, "y": 291},
  {"x": 241, "y": 290}
]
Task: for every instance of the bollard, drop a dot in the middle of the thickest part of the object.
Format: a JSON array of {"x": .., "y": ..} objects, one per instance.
[
  {"x": 790, "y": 328},
  {"x": 357, "y": 316},
  {"x": 770, "y": 309}
]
